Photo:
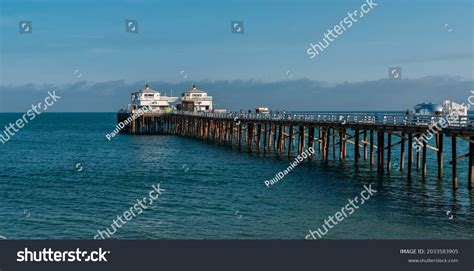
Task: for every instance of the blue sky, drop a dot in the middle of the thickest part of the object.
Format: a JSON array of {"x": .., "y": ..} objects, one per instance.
[
  {"x": 195, "y": 37},
  {"x": 431, "y": 40}
]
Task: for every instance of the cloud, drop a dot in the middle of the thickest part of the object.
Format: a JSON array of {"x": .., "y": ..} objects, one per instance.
[{"x": 295, "y": 95}]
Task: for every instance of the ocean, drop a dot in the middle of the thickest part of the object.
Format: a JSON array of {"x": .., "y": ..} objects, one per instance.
[{"x": 60, "y": 178}]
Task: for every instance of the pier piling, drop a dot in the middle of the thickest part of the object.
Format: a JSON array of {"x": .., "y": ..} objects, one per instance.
[{"x": 294, "y": 134}]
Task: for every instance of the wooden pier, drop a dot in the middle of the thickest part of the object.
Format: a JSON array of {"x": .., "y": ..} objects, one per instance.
[{"x": 290, "y": 135}]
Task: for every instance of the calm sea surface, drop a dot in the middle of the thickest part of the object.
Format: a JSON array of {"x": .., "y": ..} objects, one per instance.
[{"x": 60, "y": 178}]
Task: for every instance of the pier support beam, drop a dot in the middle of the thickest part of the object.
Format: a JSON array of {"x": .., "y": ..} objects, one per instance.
[
  {"x": 389, "y": 152},
  {"x": 356, "y": 150},
  {"x": 344, "y": 144},
  {"x": 153, "y": 130},
  {"x": 225, "y": 126},
  {"x": 231, "y": 140},
  {"x": 372, "y": 148},
  {"x": 280, "y": 131},
  {"x": 439, "y": 141},
  {"x": 319, "y": 140},
  {"x": 290, "y": 141},
  {"x": 327, "y": 140},
  {"x": 418, "y": 160},
  {"x": 133, "y": 127},
  {"x": 270, "y": 133},
  {"x": 423, "y": 170},
  {"x": 249, "y": 136},
  {"x": 410, "y": 154},
  {"x": 259, "y": 132},
  {"x": 265, "y": 137},
  {"x": 323, "y": 142},
  {"x": 380, "y": 153},
  {"x": 418, "y": 154},
  {"x": 214, "y": 130},
  {"x": 402, "y": 152},
  {"x": 341, "y": 148},
  {"x": 311, "y": 139},
  {"x": 454, "y": 162},
  {"x": 239, "y": 135},
  {"x": 301, "y": 140},
  {"x": 275, "y": 133},
  {"x": 365, "y": 145}
]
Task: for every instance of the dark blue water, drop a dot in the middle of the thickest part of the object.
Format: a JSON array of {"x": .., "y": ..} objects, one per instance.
[{"x": 211, "y": 191}]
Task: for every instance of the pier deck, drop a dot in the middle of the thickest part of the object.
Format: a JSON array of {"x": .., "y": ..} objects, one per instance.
[{"x": 292, "y": 134}]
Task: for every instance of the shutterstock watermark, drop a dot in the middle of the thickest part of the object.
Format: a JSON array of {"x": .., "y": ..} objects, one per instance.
[
  {"x": 131, "y": 213},
  {"x": 280, "y": 175},
  {"x": 129, "y": 120},
  {"x": 351, "y": 207},
  {"x": 339, "y": 29},
  {"x": 36, "y": 109},
  {"x": 49, "y": 255}
]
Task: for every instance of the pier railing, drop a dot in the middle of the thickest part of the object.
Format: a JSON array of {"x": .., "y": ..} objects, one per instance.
[{"x": 346, "y": 118}]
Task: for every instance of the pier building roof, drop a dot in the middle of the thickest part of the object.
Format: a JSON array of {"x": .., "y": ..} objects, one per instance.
[
  {"x": 147, "y": 89},
  {"x": 194, "y": 90}
]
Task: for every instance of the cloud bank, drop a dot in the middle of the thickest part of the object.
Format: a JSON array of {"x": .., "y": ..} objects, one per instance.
[{"x": 294, "y": 95}]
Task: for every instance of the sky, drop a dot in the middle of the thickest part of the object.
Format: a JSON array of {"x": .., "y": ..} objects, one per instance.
[{"x": 180, "y": 42}]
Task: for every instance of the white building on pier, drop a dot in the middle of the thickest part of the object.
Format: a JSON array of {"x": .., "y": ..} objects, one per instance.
[
  {"x": 196, "y": 100},
  {"x": 152, "y": 98}
]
